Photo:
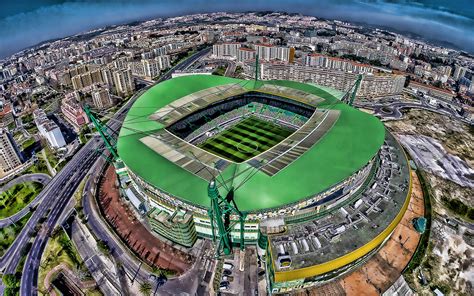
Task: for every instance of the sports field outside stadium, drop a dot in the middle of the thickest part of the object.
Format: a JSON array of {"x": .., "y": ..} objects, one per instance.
[{"x": 246, "y": 139}]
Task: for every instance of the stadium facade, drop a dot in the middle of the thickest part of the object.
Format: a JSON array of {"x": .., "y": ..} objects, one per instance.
[{"x": 322, "y": 184}]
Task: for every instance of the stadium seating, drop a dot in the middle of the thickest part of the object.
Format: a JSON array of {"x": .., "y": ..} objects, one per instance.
[{"x": 275, "y": 108}]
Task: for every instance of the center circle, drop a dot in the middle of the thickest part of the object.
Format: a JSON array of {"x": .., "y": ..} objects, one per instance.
[{"x": 247, "y": 147}]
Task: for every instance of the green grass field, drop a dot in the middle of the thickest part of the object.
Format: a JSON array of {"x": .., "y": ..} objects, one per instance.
[
  {"x": 17, "y": 197},
  {"x": 246, "y": 139}
]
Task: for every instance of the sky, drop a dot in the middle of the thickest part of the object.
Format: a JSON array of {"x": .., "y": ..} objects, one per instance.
[{"x": 24, "y": 23}]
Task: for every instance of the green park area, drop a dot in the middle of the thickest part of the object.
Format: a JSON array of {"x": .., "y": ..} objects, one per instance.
[
  {"x": 26, "y": 144},
  {"x": 61, "y": 251},
  {"x": 220, "y": 71},
  {"x": 17, "y": 197},
  {"x": 9, "y": 233},
  {"x": 38, "y": 167}
]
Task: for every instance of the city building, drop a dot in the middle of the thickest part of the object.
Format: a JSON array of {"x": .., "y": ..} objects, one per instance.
[
  {"x": 150, "y": 68},
  {"x": 6, "y": 114},
  {"x": 107, "y": 77},
  {"x": 266, "y": 52},
  {"x": 82, "y": 76},
  {"x": 10, "y": 156},
  {"x": 48, "y": 129},
  {"x": 245, "y": 54},
  {"x": 372, "y": 85},
  {"x": 73, "y": 112},
  {"x": 137, "y": 69},
  {"x": 381, "y": 85},
  {"x": 101, "y": 98},
  {"x": 123, "y": 81},
  {"x": 429, "y": 90},
  {"x": 77, "y": 82},
  {"x": 323, "y": 61},
  {"x": 459, "y": 72},
  {"x": 269, "y": 52},
  {"x": 226, "y": 50},
  {"x": 165, "y": 61},
  {"x": 178, "y": 227}
]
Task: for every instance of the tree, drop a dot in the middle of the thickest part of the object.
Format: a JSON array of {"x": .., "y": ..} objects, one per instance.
[
  {"x": 9, "y": 292},
  {"x": 145, "y": 288},
  {"x": 103, "y": 247},
  {"x": 10, "y": 280}
]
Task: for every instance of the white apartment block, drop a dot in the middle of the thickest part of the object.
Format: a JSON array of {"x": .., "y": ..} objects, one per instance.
[
  {"x": 165, "y": 61},
  {"x": 137, "y": 69},
  {"x": 107, "y": 77},
  {"x": 226, "y": 50},
  {"x": 371, "y": 85},
  {"x": 123, "y": 81},
  {"x": 151, "y": 68},
  {"x": 459, "y": 72},
  {"x": 268, "y": 52},
  {"x": 160, "y": 51},
  {"x": 10, "y": 157},
  {"x": 245, "y": 54},
  {"x": 101, "y": 98},
  {"x": 48, "y": 129},
  {"x": 322, "y": 61}
]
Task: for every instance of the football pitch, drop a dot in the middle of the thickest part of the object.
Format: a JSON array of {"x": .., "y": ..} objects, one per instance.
[{"x": 246, "y": 139}]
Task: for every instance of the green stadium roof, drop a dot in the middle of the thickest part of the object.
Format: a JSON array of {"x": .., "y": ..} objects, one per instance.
[{"x": 345, "y": 148}]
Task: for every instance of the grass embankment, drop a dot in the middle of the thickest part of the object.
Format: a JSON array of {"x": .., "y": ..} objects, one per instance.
[
  {"x": 220, "y": 71},
  {"x": 61, "y": 250},
  {"x": 26, "y": 144},
  {"x": 459, "y": 209},
  {"x": 39, "y": 167},
  {"x": 12, "y": 281},
  {"x": 9, "y": 233},
  {"x": 51, "y": 157},
  {"x": 239, "y": 71},
  {"x": 423, "y": 244},
  {"x": 17, "y": 197}
]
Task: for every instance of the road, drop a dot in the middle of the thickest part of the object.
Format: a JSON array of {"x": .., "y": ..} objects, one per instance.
[
  {"x": 101, "y": 269},
  {"x": 393, "y": 110},
  {"x": 230, "y": 65},
  {"x": 187, "y": 282},
  {"x": 102, "y": 232},
  {"x": 185, "y": 64},
  {"x": 57, "y": 194},
  {"x": 40, "y": 178},
  {"x": 179, "y": 67}
]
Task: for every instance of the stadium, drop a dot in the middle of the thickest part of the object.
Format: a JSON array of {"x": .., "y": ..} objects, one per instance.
[{"x": 305, "y": 171}]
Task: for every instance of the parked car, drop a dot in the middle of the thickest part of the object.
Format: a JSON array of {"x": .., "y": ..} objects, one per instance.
[{"x": 224, "y": 285}]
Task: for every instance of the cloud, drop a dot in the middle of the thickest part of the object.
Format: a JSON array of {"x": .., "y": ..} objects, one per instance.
[{"x": 54, "y": 19}]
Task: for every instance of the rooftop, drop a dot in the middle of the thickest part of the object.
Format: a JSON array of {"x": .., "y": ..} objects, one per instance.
[
  {"x": 364, "y": 221},
  {"x": 348, "y": 146}
]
